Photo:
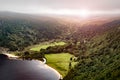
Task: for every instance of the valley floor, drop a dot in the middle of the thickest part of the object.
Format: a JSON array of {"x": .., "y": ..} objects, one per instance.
[{"x": 60, "y": 62}]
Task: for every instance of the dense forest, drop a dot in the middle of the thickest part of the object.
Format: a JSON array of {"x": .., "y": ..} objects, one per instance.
[
  {"x": 100, "y": 57},
  {"x": 95, "y": 43},
  {"x": 17, "y": 32}
]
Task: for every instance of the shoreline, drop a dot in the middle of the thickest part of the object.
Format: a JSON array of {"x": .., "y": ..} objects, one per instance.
[{"x": 11, "y": 56}]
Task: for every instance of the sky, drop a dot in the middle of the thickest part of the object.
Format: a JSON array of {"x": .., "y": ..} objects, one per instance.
[{"x": 61, "y": 6}]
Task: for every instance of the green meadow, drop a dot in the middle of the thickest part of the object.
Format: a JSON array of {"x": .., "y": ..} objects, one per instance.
[
  {"x": 46, "y": 45},
  {"x": 60, "y": 62}
]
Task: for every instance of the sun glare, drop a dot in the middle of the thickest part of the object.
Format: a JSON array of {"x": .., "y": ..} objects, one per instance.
[
  {"x": 84, "y": 13},
  {"x": 79, "y": 12}
]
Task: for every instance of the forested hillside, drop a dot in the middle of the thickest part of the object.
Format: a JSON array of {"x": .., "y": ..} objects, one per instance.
[
  {"x": 95, "y": 43},
  {"x": 101, "y": 58},
  {"x": 20, "y": 30}
]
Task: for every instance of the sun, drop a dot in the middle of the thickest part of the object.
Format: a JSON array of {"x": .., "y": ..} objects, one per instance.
[
  {"x": 70, "y": 12},
  {"x": 84, "y": 13}
]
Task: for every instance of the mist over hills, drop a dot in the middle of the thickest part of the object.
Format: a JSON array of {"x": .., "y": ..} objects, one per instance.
[
  {"x": 95, "y": 40},
  {"x": 20, "y": 30}
]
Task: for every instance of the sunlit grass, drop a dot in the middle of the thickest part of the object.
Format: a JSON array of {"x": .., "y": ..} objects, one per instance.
[
  {"x": 60, "y": 62},
  {"x": 46, "y": 45}
]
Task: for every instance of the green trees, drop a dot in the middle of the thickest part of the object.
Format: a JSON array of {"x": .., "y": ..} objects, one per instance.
[
  {"x": 16, "y": 34},
  {"x": 102, "y": 63},
  {"x": 29, "y": 55}
]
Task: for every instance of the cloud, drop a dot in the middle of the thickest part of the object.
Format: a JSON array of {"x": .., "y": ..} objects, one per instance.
[{"x": 35, "y": 6}]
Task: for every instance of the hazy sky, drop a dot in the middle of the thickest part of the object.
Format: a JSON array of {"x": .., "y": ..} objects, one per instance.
[{"x": 46, "y": 6}]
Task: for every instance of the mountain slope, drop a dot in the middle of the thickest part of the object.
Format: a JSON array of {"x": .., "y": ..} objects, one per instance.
[
  {"x": 101, "y": 59},
  {"x": 20, "y": 30}
]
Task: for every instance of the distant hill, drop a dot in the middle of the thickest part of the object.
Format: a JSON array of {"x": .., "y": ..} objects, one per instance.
[{"x": 21, "y": 30}]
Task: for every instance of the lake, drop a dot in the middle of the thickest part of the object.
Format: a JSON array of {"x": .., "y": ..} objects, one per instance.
[{"x": 26, "y": 70}]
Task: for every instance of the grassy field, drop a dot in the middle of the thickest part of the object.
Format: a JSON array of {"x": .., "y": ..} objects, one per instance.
[
  {"x": 60, "y": 62},
  {"x": 45, "y": 45}
]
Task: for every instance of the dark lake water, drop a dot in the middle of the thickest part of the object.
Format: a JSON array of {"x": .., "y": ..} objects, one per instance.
[{"x": 26, "y": 70}]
